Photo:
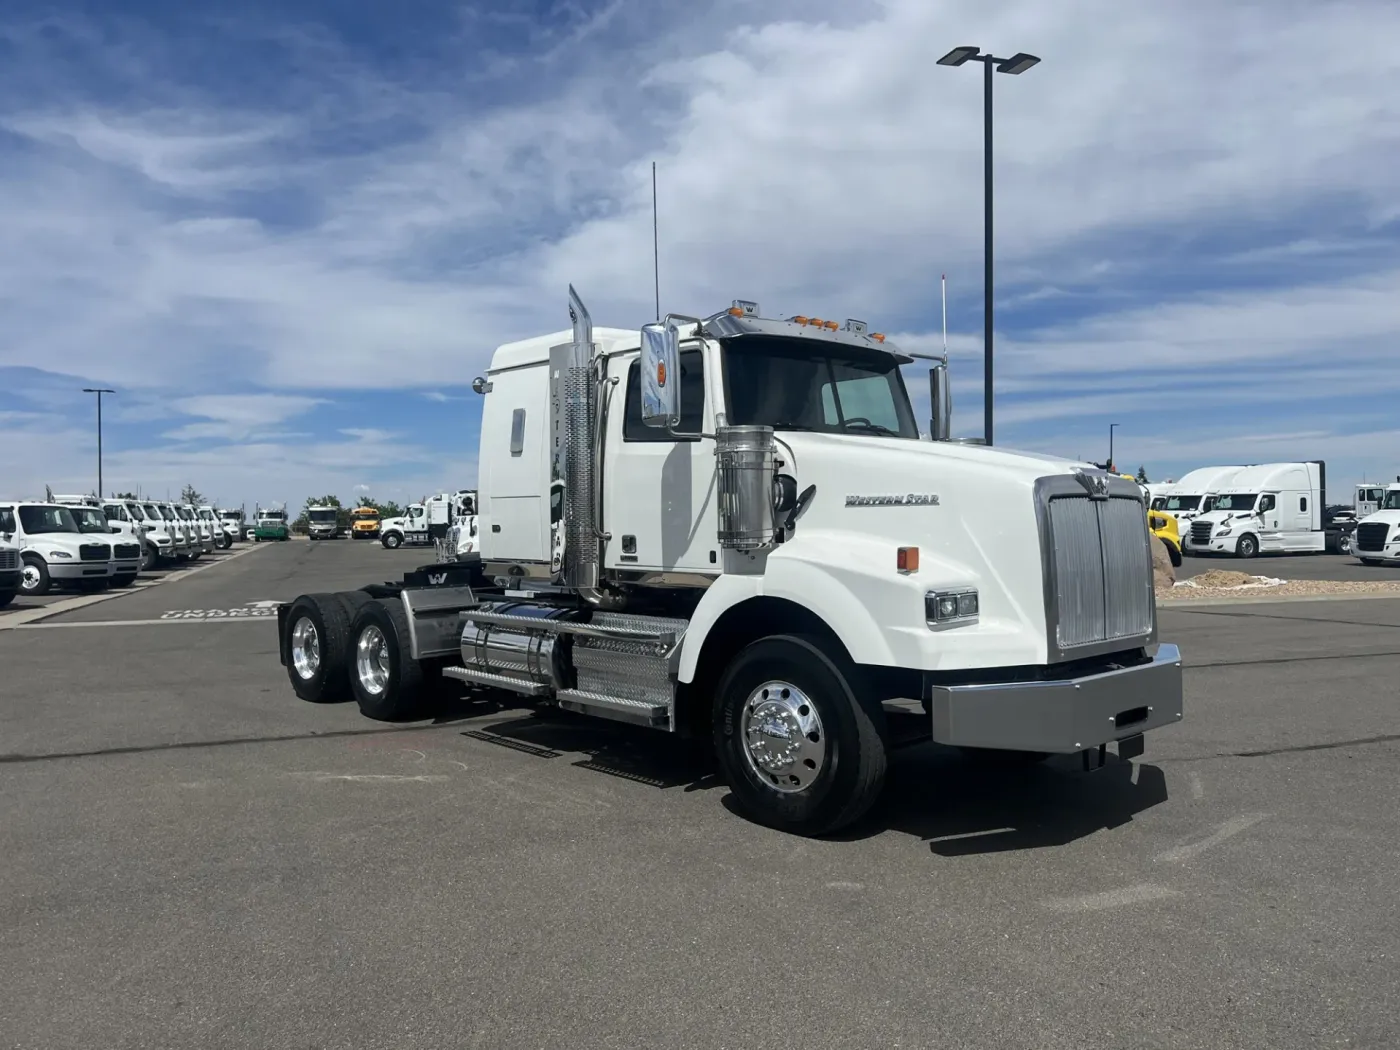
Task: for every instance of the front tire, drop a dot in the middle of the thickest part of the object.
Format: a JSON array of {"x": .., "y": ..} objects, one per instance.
[
  {"x": 125, "y": 579},
  {"x": 801, "y": 747},
  {"x": 385, "y": 679},
  {"x": 1343, "y": 544},
  {"x": 1248, "y": 546},
  {"x": 6, "y": 597},
  {"x": 391, "y": 541},
  {"x": 34, "y": 577}
]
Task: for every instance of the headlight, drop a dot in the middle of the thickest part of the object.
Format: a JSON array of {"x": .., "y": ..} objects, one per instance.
[
  {"x": 59, "y": 554},
  {"x": 959, "y": 606},
  {"x": 1223, "y": 532}
]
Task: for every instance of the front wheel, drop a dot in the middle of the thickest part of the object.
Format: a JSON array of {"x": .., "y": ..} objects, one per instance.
[
  {"x": 384, "y": 678},
  {"x": 34, "y": 577},
  {"x": 125, "y": 579},
  {"x": 1248, "y": 546},
  {"x": 391, "y": 540},
  {"x": 800, "y": 746},
  {"x": 6, "y": 597},
  {"x": 1344, "y": 544}
]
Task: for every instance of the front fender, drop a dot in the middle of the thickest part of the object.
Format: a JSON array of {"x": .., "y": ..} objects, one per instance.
[{"x": 851, "y": 583}]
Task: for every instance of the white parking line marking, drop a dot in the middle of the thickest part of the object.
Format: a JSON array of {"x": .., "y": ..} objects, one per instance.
[
  {"x": 1142, "y": 893},
  {"x": 422, "y": 778},
  {"x": 136, "y": 623},
  {"x": 1227, "y": 830},
  {"x": 11, "y": 620}
]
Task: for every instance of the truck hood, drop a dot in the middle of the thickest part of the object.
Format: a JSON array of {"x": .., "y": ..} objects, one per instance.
[
  {"x": 398, "y": 523},
  {"x": 971, "y": 511},
  {"x": 1218, "y": 517},
  {"x": 1386, "y": 517},
  {"x": 68, "y": 542}
]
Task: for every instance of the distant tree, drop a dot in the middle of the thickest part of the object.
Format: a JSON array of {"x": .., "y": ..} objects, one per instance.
[
  {"x": 390, "y": 509},
  {"x": 1142, "y": 475},
  {"x": 125, "y": 495},
  {"x": 191, "y": 495}
]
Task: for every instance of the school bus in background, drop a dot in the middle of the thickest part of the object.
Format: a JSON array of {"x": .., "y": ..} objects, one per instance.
[{"x": 364, "y": 523}]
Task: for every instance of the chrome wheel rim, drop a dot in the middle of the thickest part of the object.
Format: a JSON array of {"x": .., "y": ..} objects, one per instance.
[
  {"x": 783, "y": 737},
  {"x": 29, "y": 577},
  {"x": 372, "y": 660},
  {"x": 306, "y": 649}
]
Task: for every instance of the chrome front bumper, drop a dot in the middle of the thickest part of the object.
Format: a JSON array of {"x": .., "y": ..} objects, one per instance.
[{"x": 1064, "y": 716}]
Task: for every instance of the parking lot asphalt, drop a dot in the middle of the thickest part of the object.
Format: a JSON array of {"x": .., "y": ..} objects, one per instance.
[
  {"x": 190, "y": 856},
  {"x": 1291, "y": 567}
]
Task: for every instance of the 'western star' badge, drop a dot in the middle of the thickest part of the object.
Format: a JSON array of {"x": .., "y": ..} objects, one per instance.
[{"x": 908, "y": 499}]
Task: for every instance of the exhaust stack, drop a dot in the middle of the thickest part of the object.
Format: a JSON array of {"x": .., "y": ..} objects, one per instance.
[{"x": 581, "y": 550}]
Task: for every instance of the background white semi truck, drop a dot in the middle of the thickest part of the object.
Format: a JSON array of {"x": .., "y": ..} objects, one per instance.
[
  {"x": 1193, "y": 495},
  {"x": 775, "y": 562},
  {"x": 1266, "y": 508},
  {"x": 52, "y": 548},
  {"x": 426, "y": 524},
  {"x": 1377, "y": 536}
]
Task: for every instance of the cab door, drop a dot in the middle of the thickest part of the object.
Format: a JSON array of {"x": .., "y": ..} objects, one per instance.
[
  {"x": 658, "y": 490},
  {"x": 1271, "y": 536}
]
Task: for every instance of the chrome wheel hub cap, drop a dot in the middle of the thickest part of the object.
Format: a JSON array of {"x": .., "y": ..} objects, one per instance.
[
  {"x": 372, "y": 660},
  {"x": 306, "y": 648},
  {"x": 29, "y": 578},
  {"x": 784, "y": 740}
]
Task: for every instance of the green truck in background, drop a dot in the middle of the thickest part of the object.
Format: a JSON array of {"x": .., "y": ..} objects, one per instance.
[{"x": 270, "y": 523}]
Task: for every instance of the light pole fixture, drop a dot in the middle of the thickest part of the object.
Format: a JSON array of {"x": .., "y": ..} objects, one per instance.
[
  {"x": 99, "y": 391},
  {"x": 1111, "y": 428},
  {"x": 1016, "y": 64}
]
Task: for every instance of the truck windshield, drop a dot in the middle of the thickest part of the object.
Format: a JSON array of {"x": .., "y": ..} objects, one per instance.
[
  {"x": 135, "y": 511},
  {"x": 322, "y": 517},
  {"x": 90, "y": 519},
  {"x": 1183, "y": 502},
  {"x": 1237, "y": 501},
  {"x": 800, "y": 384},
  {"x": 1392, "y": 500},
  {"x": 38, "y": 520}
]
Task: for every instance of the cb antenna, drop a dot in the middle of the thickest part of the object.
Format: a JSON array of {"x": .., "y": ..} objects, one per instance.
[
  {"x": 655, "y": 244},
  {"x": 944, "y": 278}
]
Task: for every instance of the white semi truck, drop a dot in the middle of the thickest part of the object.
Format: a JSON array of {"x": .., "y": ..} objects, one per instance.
[
  {"x": 53, "y": 550},
  {"x": 1265, "y": 508},
  {"x": 1377, "y": 538},
  {"x": 772, "y": 560},
  {"x": 1193, "y": 495},
  {"x": 125, "y": 547},
  {"x": 426, "y": 524},
  {"x": 232, "y": 523}
]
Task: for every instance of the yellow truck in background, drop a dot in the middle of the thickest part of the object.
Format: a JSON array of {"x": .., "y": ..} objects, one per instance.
[
  {"x": 1162, "y": 524},
  {"x": 364, "y": 523}
]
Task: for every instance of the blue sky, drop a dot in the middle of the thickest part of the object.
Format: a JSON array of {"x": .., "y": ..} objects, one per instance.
[{"x": 290, "y": 234}]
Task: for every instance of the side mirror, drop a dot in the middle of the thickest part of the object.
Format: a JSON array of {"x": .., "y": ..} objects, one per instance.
[
  {"x": 661, "y": 376},
  {"x": 940, "y": 399}
]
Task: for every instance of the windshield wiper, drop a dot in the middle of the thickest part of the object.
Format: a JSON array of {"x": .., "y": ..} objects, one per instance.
[{"x": 873, "y": 428}]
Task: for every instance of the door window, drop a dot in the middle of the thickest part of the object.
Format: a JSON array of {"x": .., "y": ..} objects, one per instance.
[
  {"x": 1266, "y": 503},
  {"x": 692, "y": 401}
]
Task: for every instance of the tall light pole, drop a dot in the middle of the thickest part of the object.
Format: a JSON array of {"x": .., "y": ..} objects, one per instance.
[
  {"x": 1111, "y": 428},
  {"x": 1016, "y": 64},
  {"x": 99, "y": 391}
]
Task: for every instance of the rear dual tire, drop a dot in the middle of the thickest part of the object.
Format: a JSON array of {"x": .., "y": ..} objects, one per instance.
[
  {"x": 317, "y": 644},
  {"x": 385, "y": 679}
]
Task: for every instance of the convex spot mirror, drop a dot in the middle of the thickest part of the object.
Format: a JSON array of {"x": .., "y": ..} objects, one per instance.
[{"x": 661, "y": 376}]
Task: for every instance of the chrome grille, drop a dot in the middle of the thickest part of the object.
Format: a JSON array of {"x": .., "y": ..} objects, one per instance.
[
  {"x": 1200, "y": 532},
  {"x": 9, "y": 560},
  {"x": 1103, "y": 571},
  {"x": 94, "y": 551},
  {"x": 1370, "y": 535}
]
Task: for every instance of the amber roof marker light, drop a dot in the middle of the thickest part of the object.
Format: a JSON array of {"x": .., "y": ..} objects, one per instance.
[{"x": 1015, "y": 65}]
